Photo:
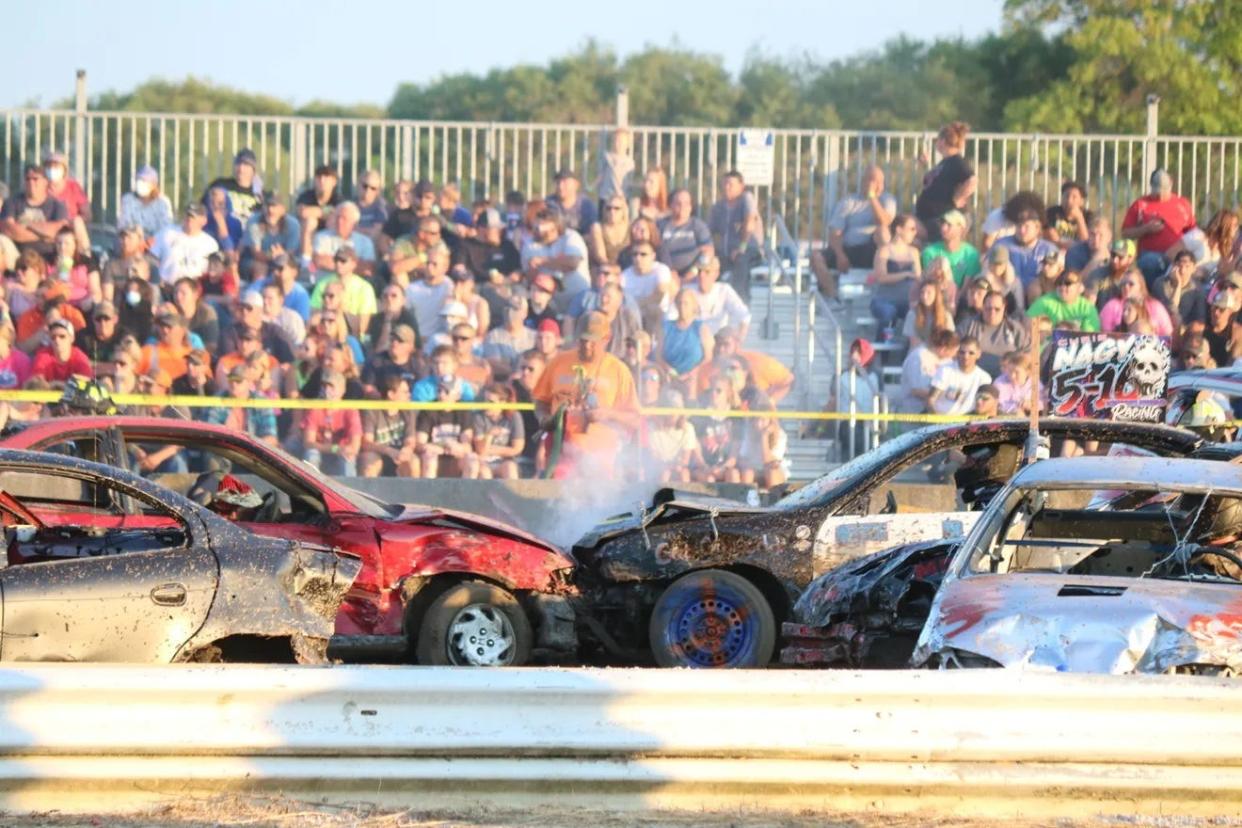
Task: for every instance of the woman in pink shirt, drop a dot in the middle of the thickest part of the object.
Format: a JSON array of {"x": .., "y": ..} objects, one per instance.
[{"x": 1134, "y": 286}]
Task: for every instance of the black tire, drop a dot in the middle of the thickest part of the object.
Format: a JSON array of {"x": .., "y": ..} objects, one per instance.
[
  {"x": 712, "y": 618},
  {"x": 474, "y": 624}
]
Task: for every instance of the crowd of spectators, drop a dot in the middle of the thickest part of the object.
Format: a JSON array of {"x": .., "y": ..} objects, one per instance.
[
  {"x": 960, "y": 319},
  {"x": 587, "y": 304}
]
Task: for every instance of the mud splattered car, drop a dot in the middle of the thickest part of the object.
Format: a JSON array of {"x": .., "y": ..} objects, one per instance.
[
  {"x": 437, "y": 586},
  {"x": 707, "y": 583},
  {"x": 1119, "y": 565},
  {"x": 101, "y": 565}
]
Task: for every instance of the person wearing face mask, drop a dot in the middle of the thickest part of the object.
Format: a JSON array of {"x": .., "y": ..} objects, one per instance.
[
  {"x": 69, "y": 192},
  {"x": 145, "y": 206},
  {"x": 135, "y": 307}
]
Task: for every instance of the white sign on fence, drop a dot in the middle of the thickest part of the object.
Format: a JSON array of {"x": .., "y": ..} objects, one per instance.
[{"x": 756, "y": 156}]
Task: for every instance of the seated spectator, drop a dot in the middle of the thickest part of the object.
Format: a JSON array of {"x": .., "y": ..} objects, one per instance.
[
  {"x": 457, "y": 221},
  {"x": 559, "y": 252},
  {"x": 332, "y": 438},
  {"x": 737, "y": 231},
  {"x": 1221, "y": 242},
  {"x": 941, "y": 273},
  {"x": 269, "y": 234},
  {"x": 948, "y": 185},
  {"x": 32, "y": 325},
  {"x": 651, "y": 382},
  {"x": 410, "y": 254},
  {"x": 1134, "y": 287},
  {"x": 78, "y": 271},
  {"x": 767, "y": 374},
  {"x": 30, "y": 412},
  {"x": 686, "y": 342},
  {"x": 672, "y": 445},
  {"x": 196, "y": 382},
  {"x": 1069, "y": 222},
  {"x": 1067, "y": 304},
  {"x": 372, "y": 209},
  {"x": 136, "y": 307},
  {"x": 220, "y": 283},
  {"x": 623, "y": 321},
  {"x": 343, "y": 232},
  {"x": 199, "y": 316},
  {"x": 929, "y": 314},
  {"x": 130, "y": 259},
  {"x": 33, "y": 218},
  {"x": 517, "y": 212},
  {"x": 719, "y": 436},
  {"x": 970, "y": 305},
  {"x": 611, "y": 233},
  {"x": 390, "y": 313},
  {"x": 719, "y": 304},
  {"x": 315, "y": 206},
  {"x": 504, "y": 345},
  {"x": 987, "y": 401},
  {"x": 259, "y": 423},
  {"x": 443, "y": 372},
  {"x": 548, "y": 339},
  {"x": 858, "y": 224},
  {"x": 1158, "y": 221},
  {"x": 578, "y": 211},
  {"x": 99, "y": 339},
  {"x": 400, "y": 358},
  {"x": 403, "y": 216},
  {"x": 333, "y": 326},
  {"x": 1090, "y": 256},
  {"x": 961, "y": 255},
  {"x": 530, "y": 368},
  {"x": 356, "y": 293},
  {"x": 499, "y": 435},
  {"x": 540, "y": 310},
  {"x": 1014, "y": 385},
  {"x": 642, "y": 231},
  {"x": 285, "y": 319},
  {"x": 60, "y": 359},
  {"x": 1107, "y": 284},
  {"x": 589, "y": 300},
  {"x": 390, "y": 435},
  {"x": 652, "y": 285},
  {"x": 446, "y": 438},
  {"x": 956, "y": 382},
  {"x": 1002, "y": 278},
  {"x": 15, "y": 366},
  {"x": 653, "y": 202},
  {"x": 1027, "y": 246},
  {"x": 1181, "y": 296},
  {"x": 897, "y": 270},
  {"x": 684, "y": 238},
  {"x": 761, "y": 455},
  {"x": 858, "y": 391},
  {"x": 22, "y": 290},
  {"x": 222, "y": 225},
  {"x": 145, "y": 207},
  {"x": 248, "y": 314},
  {"x": 471, "y": 368},
  {"x": 997, "y": 333},
  {"x": 452, "y": 314},
  {"x": 921, "y": 366},
  {"x": 245, "y": 190},
  {"x": 65, "y": 188},
  {"x": 183, "y": 251},
  {"x": 478, "y": 313},
  {"x": 638, "y": 352},
  {"x": 426, "y": 295},
  {"x": 488, "y": 250},
  {"x": 333, "y": 358}
]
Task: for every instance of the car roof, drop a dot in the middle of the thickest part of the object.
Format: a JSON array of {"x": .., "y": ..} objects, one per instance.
[
  {"x": 1182, "y": 475},
  {"x": 1227, "y": 380},
  {"x": 57, "y": 425}
]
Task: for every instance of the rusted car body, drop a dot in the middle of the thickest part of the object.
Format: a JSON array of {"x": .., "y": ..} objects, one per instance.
[
  {"x": 700, "y": 582},
  {"x": 436, "y": 586},
  {"x": 101, "y": 565},
  {"x": 1098, "y": 565}
]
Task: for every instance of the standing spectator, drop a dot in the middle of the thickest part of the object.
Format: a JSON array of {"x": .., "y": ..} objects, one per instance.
[
  {"x": 1107, "y": 284},
  {"x": 427, "y": 295},
  {"x": 488, "y": 249},
  {"x": 1134, "y": 287},
  {"x": 1014, "y": 385},
  {"x": 504, "y": 345},
  {"x": 595, "y": 391},
  {"x": 33, "y": 218},
  {"x": 269, "y": 234},
  {"x": 1067, "y": 304},
  {"x": 259, "y": 423},
  {"x": 652, "y": 203},
  {"x": 446, "y": 439},
  {"x": 1090, "y": 256},
  {"x": 897, "y": 271},
  {"x": 858, "y": 224},
  {"x": 390, "y": 435},
  {"x": 956, "y": 383},
  {"x": 858, "y": 390},
  {"x": 962, "y": 256},
  {"x": 245, "y": 192},
  {"x": 200, "y": 316},
  {"x": 344, "y": 233},
  {"x": 1027, "y": 246},
  {"x": 996, "y": 332},
  {"x": 222, "y": 225},
  {"x": 737, "y": 231},
  {"x": 616, "y": 167},
  {"x": 928, "y": 315},
  {"x": 499, "y": 435},
  {"x": 578, "y": 212},
  {"x": 948, "y": 185},
  {"x": 1181, "y": 296},
  {"x": 99, "y": 339},
  {"x": 921, "y": 366},
  {"x": 559, "y": 252},
  {"x": 315, "y": 205},
  {"x": 357, "y": 295},
  {"x": 372, "y": 208},
  {"x": 1069, "y": 222},
  {"x": 144, "y": 206},
  {"x": 183, "y": 251},
  {"x": 60, "y": 359},
  {"x": 685, "y": 240},
  {"x": 686, "y": 343},
  {"x": 400, "y": 357},
  {"x": 332, "y": 438},
  {"x": 390, "y": 313},
  {"x": 1158, "y": 221},
  {"x": 652, "y": 285},
  {"x": 611, "y": 233}
]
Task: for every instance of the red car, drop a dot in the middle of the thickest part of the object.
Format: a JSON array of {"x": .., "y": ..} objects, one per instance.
[{"x": 436, "y": 586}]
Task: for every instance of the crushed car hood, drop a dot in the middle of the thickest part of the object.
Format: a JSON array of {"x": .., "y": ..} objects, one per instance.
[
  {"x": 1078, "y": 624},
  {"x": 421, "y": 513},
  {"x": 665, "y": 504}
]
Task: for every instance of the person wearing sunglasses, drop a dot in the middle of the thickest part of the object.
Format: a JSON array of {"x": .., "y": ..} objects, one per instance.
[
  {"x": 33, "y": 218},
  {"x": 356, "y": 295},
  {"x": 60, "y": 359},
  {"x": 372, "y": 208}
]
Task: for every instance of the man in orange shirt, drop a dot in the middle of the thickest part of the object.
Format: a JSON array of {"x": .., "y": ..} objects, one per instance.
[
  {"x": 596, "y": 391},
  {"x": 768, "y": 374},
  {"x": 171, "y": 347}
]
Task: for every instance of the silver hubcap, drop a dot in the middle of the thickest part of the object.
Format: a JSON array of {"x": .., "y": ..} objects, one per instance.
[{"x": 480, "y": 635}]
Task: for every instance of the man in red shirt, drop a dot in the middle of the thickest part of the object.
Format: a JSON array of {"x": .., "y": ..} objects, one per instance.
[
  {"x": 1157, "y": 221},
  {"x": 60, "y": 359},
  {"x": 331, "y": 438}
]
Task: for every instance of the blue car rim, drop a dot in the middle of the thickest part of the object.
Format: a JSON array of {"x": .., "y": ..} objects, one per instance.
[{"x": 711, "y": 626}]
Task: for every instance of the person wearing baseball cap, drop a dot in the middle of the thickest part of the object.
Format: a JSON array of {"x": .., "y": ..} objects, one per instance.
[
  {"x": 99, "y": 338},
  {"x": 171, "y": 346},
  {"x": 1106, "y": 284},
  {"x": 488, "y": 249},
  {"x": 593, "y": 391},
  {"x": 183, "y": 252},
  {"x": 196, "y": 381},
  {"x": 962, "y": 255},
  {"x": 1157, "y": 221},
  {"x": 244, "y": 189},
  {"x": 60, "y": 359},
  {"x": 34, "y": 208}
]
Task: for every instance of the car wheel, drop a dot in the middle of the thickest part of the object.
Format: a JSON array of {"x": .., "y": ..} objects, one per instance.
[
  {"x": 474, "y": 624},
  {"x": 712, "y": 618}
]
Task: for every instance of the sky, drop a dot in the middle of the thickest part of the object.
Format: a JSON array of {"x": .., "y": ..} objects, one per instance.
[{"x": 358, "y": 52}]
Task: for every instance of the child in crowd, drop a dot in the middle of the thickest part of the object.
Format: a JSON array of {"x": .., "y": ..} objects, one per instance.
[{"x": 499, "y": 435}]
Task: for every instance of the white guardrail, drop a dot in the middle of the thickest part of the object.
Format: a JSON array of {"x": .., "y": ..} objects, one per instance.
[{"x": 109, "y": 738}]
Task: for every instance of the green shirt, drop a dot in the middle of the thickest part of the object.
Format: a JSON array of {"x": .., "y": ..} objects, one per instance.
[
  {"x": 965, "y": 262},
  {"x": 359, "y": 298},
  {"x": 1082, "y": 311}
]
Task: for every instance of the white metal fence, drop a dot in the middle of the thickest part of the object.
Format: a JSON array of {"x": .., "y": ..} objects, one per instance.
[{"x": 813, "y": 167}]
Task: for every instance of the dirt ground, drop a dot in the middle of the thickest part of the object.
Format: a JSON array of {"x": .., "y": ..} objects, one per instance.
[{"x": 281, "y": 813}]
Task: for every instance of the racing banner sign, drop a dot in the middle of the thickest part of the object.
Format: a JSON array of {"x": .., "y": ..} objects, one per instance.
[{"x": 1115, "y": 376}]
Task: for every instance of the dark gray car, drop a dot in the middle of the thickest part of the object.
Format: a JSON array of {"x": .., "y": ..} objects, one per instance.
[{"x": 101, "y": 565}]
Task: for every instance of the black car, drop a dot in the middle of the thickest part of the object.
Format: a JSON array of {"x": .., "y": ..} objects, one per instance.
[{"x": 708, "y": 583}]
